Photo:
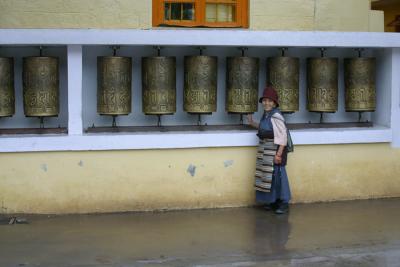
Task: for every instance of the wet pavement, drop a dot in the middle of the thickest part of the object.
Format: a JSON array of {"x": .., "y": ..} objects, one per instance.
[{"x": 351, "y": 233}]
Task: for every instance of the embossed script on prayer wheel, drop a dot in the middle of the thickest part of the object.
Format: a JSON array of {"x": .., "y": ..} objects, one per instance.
[
  {"x": 159, "y": 85},
  {"x": 322, "y": 83},
  {"x": 359, "y": 76},
  {"x": 200, "y": 92},
  {"x": 242, "y": 84},
  {"x": 40, "y": 86},
  {"x": 114, "y": 85},
  {"x": 283, "y": 74},
  {"x": 7, "y": 92}
]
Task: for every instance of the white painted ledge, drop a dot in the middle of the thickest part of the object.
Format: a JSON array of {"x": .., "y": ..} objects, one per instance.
[
  {"x": 207, "y": 37},
  {"x": 173, "y": 140},
  {"x": 75, "y": 38}
]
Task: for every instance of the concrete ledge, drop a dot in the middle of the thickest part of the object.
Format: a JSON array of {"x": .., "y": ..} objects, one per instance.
[
  {"x": 171, "y": 140},
  {"x": 181, "y": 37}
]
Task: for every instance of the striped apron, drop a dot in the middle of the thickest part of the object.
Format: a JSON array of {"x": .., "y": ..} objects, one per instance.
[{"x": 265, "y": 165}]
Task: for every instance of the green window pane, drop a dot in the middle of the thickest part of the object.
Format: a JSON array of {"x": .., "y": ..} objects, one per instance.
[
  {"x": 176, "y": 11},
  {"x": 188, "y": 11},
  {"x": 167, "y": 11}
]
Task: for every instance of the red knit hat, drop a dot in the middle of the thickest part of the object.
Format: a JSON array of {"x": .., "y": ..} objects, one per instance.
[{"x": 269, "y": 92}]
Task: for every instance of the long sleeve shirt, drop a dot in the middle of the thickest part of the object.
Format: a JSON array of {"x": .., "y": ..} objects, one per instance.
[{"x": 280, "y": 131}]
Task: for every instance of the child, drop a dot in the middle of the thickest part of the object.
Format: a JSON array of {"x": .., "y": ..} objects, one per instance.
[{"x": 271, "y": 181}]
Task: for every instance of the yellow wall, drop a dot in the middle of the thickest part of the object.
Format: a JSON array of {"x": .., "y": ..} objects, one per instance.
[
  {"x": 376, "y": 19},
  {"x": 70, "y": 182},
  {"x": 325, "y": 15},
  {"x": 75, "y": 14},
  {"x": 282, "y": 14},
  {"x": 342, "y": 15},
  {"x": 105, "y": 181},
  {"x": 310, "y": 15}
]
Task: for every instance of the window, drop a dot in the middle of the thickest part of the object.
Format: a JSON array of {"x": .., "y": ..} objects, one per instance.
[{"x": 197, "y": 13}]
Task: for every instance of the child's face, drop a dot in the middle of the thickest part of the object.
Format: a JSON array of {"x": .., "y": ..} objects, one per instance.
[{"x": 268, "y": 104}]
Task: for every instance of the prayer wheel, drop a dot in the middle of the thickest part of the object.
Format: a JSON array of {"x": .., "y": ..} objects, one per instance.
[
  {"x": 41, "y": 86},
  {"x": 322, "y": 84},
  {"x": 159, "y": 85},
  {"x": 242, "y": 84},
  {"x": 200, "y": 91},
  {"x": 359, "y": 77},
  {"x": 114, "y": 85},
  {"x": 283, "y": 74},
  {"x": 7, "y": 92}
]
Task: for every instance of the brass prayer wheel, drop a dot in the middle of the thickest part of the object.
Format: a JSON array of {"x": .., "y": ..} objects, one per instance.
[
  {"x": 242, "y": 84},
  {"x": 114, "y": 85},
  {"x": 7, "y": 92},
  {"x": 159, "y": 85},
  {"x": 200, "y": 90},
  {"x": 283, "y": 74},
  {"x": 359, "y": 77},
  {"x": 41, "y": 86},
  {"x": 322, "y": 84}
]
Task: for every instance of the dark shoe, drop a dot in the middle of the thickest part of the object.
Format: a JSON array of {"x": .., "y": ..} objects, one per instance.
[
  {"x": 272, "y": 206},
  {"x": 282, "y": 209}
]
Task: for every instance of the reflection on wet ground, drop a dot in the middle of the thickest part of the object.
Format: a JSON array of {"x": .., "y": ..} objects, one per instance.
[{"x": 322, "y": 234}]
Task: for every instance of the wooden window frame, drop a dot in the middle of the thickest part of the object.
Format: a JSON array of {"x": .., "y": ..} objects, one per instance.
[{"x": 241, "y": 14}]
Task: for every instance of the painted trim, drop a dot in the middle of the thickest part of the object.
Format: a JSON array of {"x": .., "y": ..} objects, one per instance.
[
  {"x": 395, "y": 112},
  {"x": 185, "y": 37},
  {"x": 75, "y": 120},
  {"x": 173, "y": 140},
  {"x": 76, "y": 140}
]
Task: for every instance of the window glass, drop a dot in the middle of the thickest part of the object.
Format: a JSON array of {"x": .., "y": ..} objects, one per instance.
[
  {"x": 176, "y": 11},
  {"x": 188, "y": 11},
  {"x": 220, "y": 13}
]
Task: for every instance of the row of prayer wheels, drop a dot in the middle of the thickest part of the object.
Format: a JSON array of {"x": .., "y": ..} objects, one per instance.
[
  {"x": 159, "y": 85},
  {"x": 40, "y": 77},
  {"x": 114, "y": 82},
  {"x": 200, "y": 84}
]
